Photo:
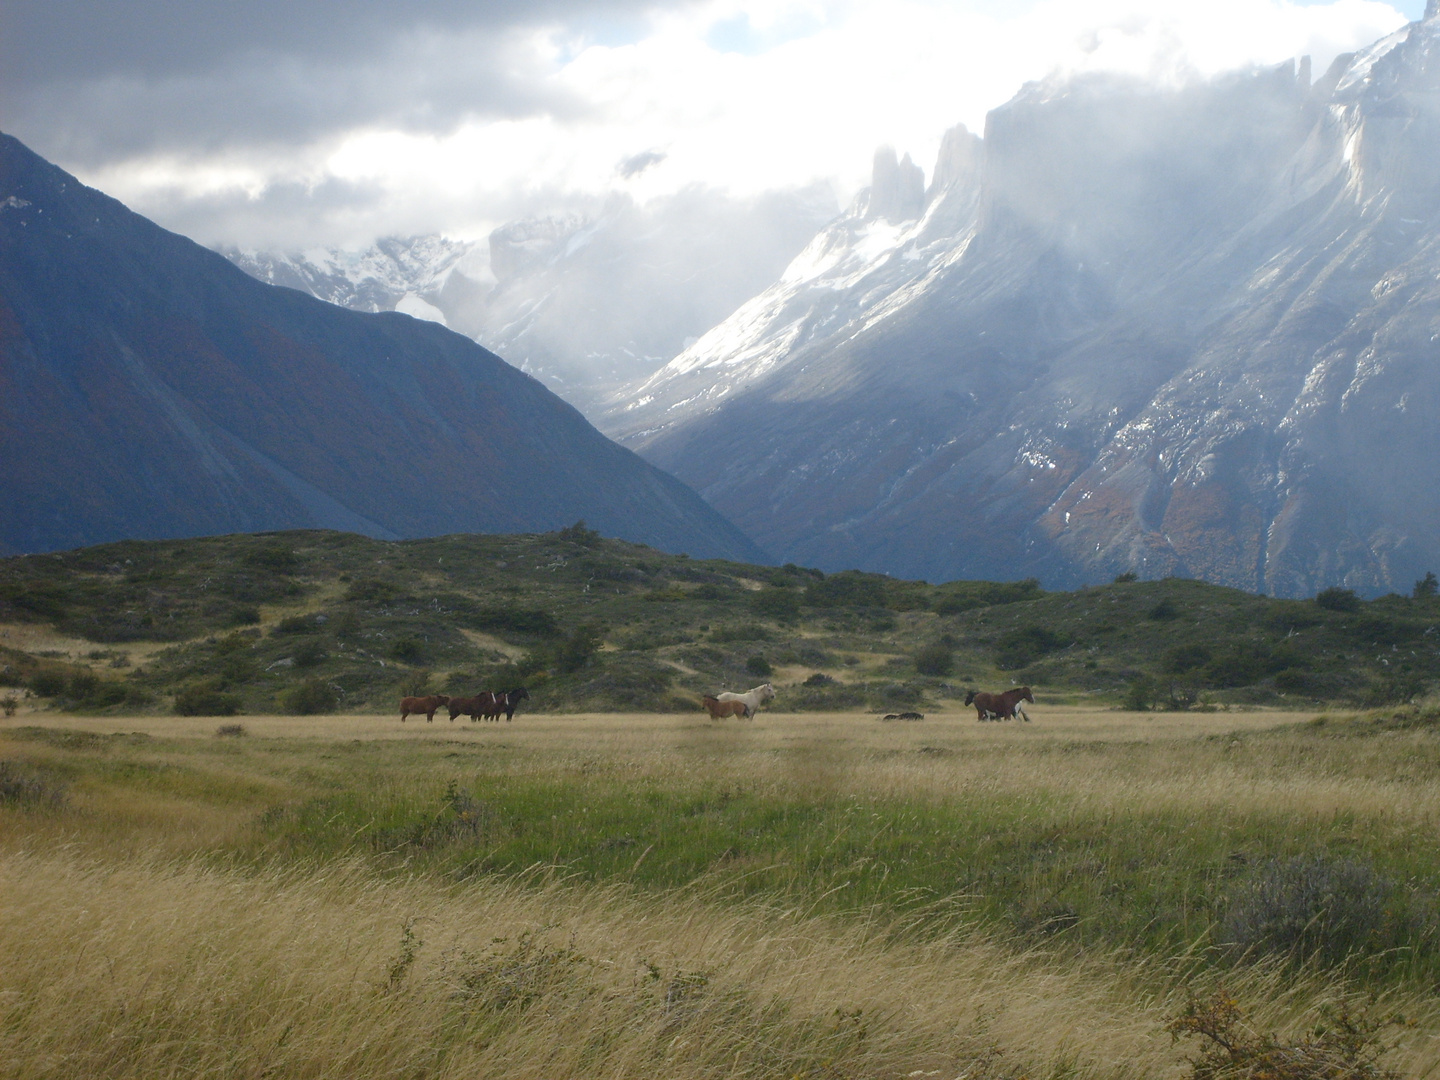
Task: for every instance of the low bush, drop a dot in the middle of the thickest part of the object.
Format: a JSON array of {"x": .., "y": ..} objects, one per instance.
[
  {"x": 937, "y": 660},
  {"x": 206, "y": 698},
  {"x": 309, "y": 698},
  {"x": 1338, "y": 599},
  {"x": 30, "y": 786},
  {"x": 1317, "y": 907},
  {"x": 759, "y": 666}
]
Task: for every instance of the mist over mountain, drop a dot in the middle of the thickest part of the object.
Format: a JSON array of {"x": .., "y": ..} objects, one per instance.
[
  {"x": 150, "y": 389},
  {"x": 1191, "y": 331},
  {"x": 587, "y": 302}
]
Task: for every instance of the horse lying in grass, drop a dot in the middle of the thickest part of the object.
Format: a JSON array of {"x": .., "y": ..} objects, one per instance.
[
  {"x": 752, "y": 699},
  {"x": 1004, "y": 706},
  {"x": 718, "y": 709},
  {"x": 427, "y": 705}
]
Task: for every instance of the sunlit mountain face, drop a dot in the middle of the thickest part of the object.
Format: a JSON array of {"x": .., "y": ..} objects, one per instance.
[{"x": 1192, "y": 331}]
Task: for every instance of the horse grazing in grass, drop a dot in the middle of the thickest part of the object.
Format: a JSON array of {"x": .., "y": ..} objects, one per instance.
[
  {"x": 427, "y": 705},
  {"x": 718, "y": 709},
  {"x": 507, "y": 702},
  {"x": 473, "y": 707},
  {"x": 752, "y": 699},
  {"x": 1003, "y": 706}
]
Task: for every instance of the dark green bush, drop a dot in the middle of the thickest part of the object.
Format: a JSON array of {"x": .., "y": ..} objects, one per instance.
[
  {"x": 937, "y": 660},
  {"x": 206, "y": 698},
  {"x": 407, "y": 650},
  {"x": 309, "y": 698},
  {"x": 1183, "y": 658},
  {"x": 759, "y": 666},
  {"x": 47, "y": 682},
  {"x": 775, "y": 602},
  {"x": 1165, "y": 610},
  {"x": 1338, "y": 599},
  {"x": 1426, "y": 587},
  {"x": 297, "y": 624},
  {"x": 1126, "y": 578},
  {"x": 309, "y": 654},
  {"x": 1020, "y": 647},
  {"x": 274, "y": 558}
]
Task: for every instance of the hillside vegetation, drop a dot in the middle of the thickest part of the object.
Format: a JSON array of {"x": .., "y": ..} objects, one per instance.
[{"x": 314, "y": 621}]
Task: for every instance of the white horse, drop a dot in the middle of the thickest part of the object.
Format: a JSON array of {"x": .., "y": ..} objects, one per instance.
[{"x": 751, "y": 699}]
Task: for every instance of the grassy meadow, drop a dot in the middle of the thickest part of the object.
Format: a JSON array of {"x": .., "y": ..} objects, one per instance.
[
  {"x": 222, "y": 853},
  {"x": 813, "y": 894}
]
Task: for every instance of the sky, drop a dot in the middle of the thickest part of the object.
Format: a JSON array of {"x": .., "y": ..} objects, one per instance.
[{"x": 294, "y": 124}]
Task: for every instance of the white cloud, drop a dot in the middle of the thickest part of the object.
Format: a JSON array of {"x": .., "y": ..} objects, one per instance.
[{"x": 746, "y": 95}]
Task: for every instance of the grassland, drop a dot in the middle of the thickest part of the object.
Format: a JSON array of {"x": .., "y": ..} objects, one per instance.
[
  {"x": 811, "y": 894},
  {"x": 221, "y": 853},
  {"x": 316, "y": 622}
]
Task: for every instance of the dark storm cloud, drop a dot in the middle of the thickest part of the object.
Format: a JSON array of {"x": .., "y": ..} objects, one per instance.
[{"x": 94, "y": 80}]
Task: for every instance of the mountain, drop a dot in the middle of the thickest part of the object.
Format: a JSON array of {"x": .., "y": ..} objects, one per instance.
[
  {"x": 1188, "y": 331},
  {"x": 588, "y": 302},
  {"x": 148, "y": 388}
]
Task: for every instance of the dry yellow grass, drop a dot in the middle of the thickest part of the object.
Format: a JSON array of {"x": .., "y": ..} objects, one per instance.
[
  {"x": 149, "y": 969},
  {"x": 126, "y": 951}
]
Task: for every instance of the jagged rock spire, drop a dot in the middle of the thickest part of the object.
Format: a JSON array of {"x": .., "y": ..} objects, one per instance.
[
  {"x": 1432, "y": 9},
  {"x": 897, "y": 188}
]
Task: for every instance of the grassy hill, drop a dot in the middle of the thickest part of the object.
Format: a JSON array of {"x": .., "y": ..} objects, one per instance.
[{"x": 315, "y": 621}]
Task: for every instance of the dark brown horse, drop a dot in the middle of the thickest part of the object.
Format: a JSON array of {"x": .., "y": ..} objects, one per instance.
[
  {"x": 473, "y": 707},
  {"x": 718, "y": 709},
  {"x": 427, "y": 705},
  {"x": 510, "y": 699},
  {"x": 1003, "y": 706}
]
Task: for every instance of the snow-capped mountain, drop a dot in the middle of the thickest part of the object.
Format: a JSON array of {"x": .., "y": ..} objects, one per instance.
[
  {"x": 587, "y": 303},
  {"x": 1186, "y": 331}
]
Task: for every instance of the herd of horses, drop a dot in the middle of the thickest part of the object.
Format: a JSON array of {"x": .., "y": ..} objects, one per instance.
[
  {"x": 491, "y": 706},
  {"x": 483, "y": 706}
]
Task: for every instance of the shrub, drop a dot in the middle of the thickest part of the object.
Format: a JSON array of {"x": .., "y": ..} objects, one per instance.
[
  {"x": 579, "y": 534},
  {"x": 405, "y": 649},
  {"x": 819, "y": 679},
  {"x": 1019, "y": 647},
  {"x": 9, "y": 703},
  {"x": 777, "y": 602},
  {"x": 230, "y": 731},
  {"x": 1163, "y": 611},
  {"x": 1338, "y": 599},
  {"x": 1345, "y": 1045},
  {"x": 1313, "y": 906},
  {"x": 1426, "y": 587},
  {"x": 297, "y": 624},
  {"x": 1291, "y": 681},
  {"x": 206, "y": 698},
  {"x": 243, "y": 616},
  {"x": 758, "y": 665},
  {"x": 47, "y": 682},
  {"x": 309, "y": 698},
  {"x": 1126, "y": 578},
  {"x": 29, "y": 786},
  {"x": 274, "y": 558},
  {"x": 309, "y": 654},
  {"x": 935, "y": 660},
  {"x": 1140, "y": 695},
  {"x": 1183, "y": 658}
]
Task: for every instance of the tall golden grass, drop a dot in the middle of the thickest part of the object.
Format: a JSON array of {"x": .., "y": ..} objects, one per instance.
[
  {"x": 154, "y": 969},
  {"x": 131, "y": 947}
]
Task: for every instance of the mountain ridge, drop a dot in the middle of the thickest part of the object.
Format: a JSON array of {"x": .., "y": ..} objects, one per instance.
[
  {"x": 153, "y": 389},
  {"x": 1169, "y": 332}
]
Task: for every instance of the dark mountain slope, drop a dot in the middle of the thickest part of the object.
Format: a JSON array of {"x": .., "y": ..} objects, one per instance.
[{"x": 148, "y": 388}]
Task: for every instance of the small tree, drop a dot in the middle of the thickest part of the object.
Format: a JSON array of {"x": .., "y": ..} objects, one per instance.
[
  {"x": 1426, "y": 587},
  {"x": 1338, "y": 599}
]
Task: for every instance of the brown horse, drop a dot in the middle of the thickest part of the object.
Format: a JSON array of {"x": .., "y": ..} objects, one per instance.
[
  {"x": 427, "y": 705},
  {"x": 473, "y": 707},
  {"x": 1003, "y": 706},
  {"x": 718, "y": 709}
]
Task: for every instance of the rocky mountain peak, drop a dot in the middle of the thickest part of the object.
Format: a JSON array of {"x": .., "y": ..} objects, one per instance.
[
  {"x": 958, "y": 163},
  {"x": 897, "y": 188}
]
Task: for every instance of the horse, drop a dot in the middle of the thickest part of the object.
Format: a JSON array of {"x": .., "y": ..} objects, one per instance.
[
  {"x": 1004, "y": 706},
  {"x": 718, "y": 709},
  {"x": 473, "y": 707},
  {"x": 510, "y": 699},
  {"x": 752, "y": 699},
  {"x": 427, "y": 705}
]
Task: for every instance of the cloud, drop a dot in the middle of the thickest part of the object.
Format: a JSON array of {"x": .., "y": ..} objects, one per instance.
[
  {"x": 637, "y": 163},
  {"x": 238, "y": 123}
]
